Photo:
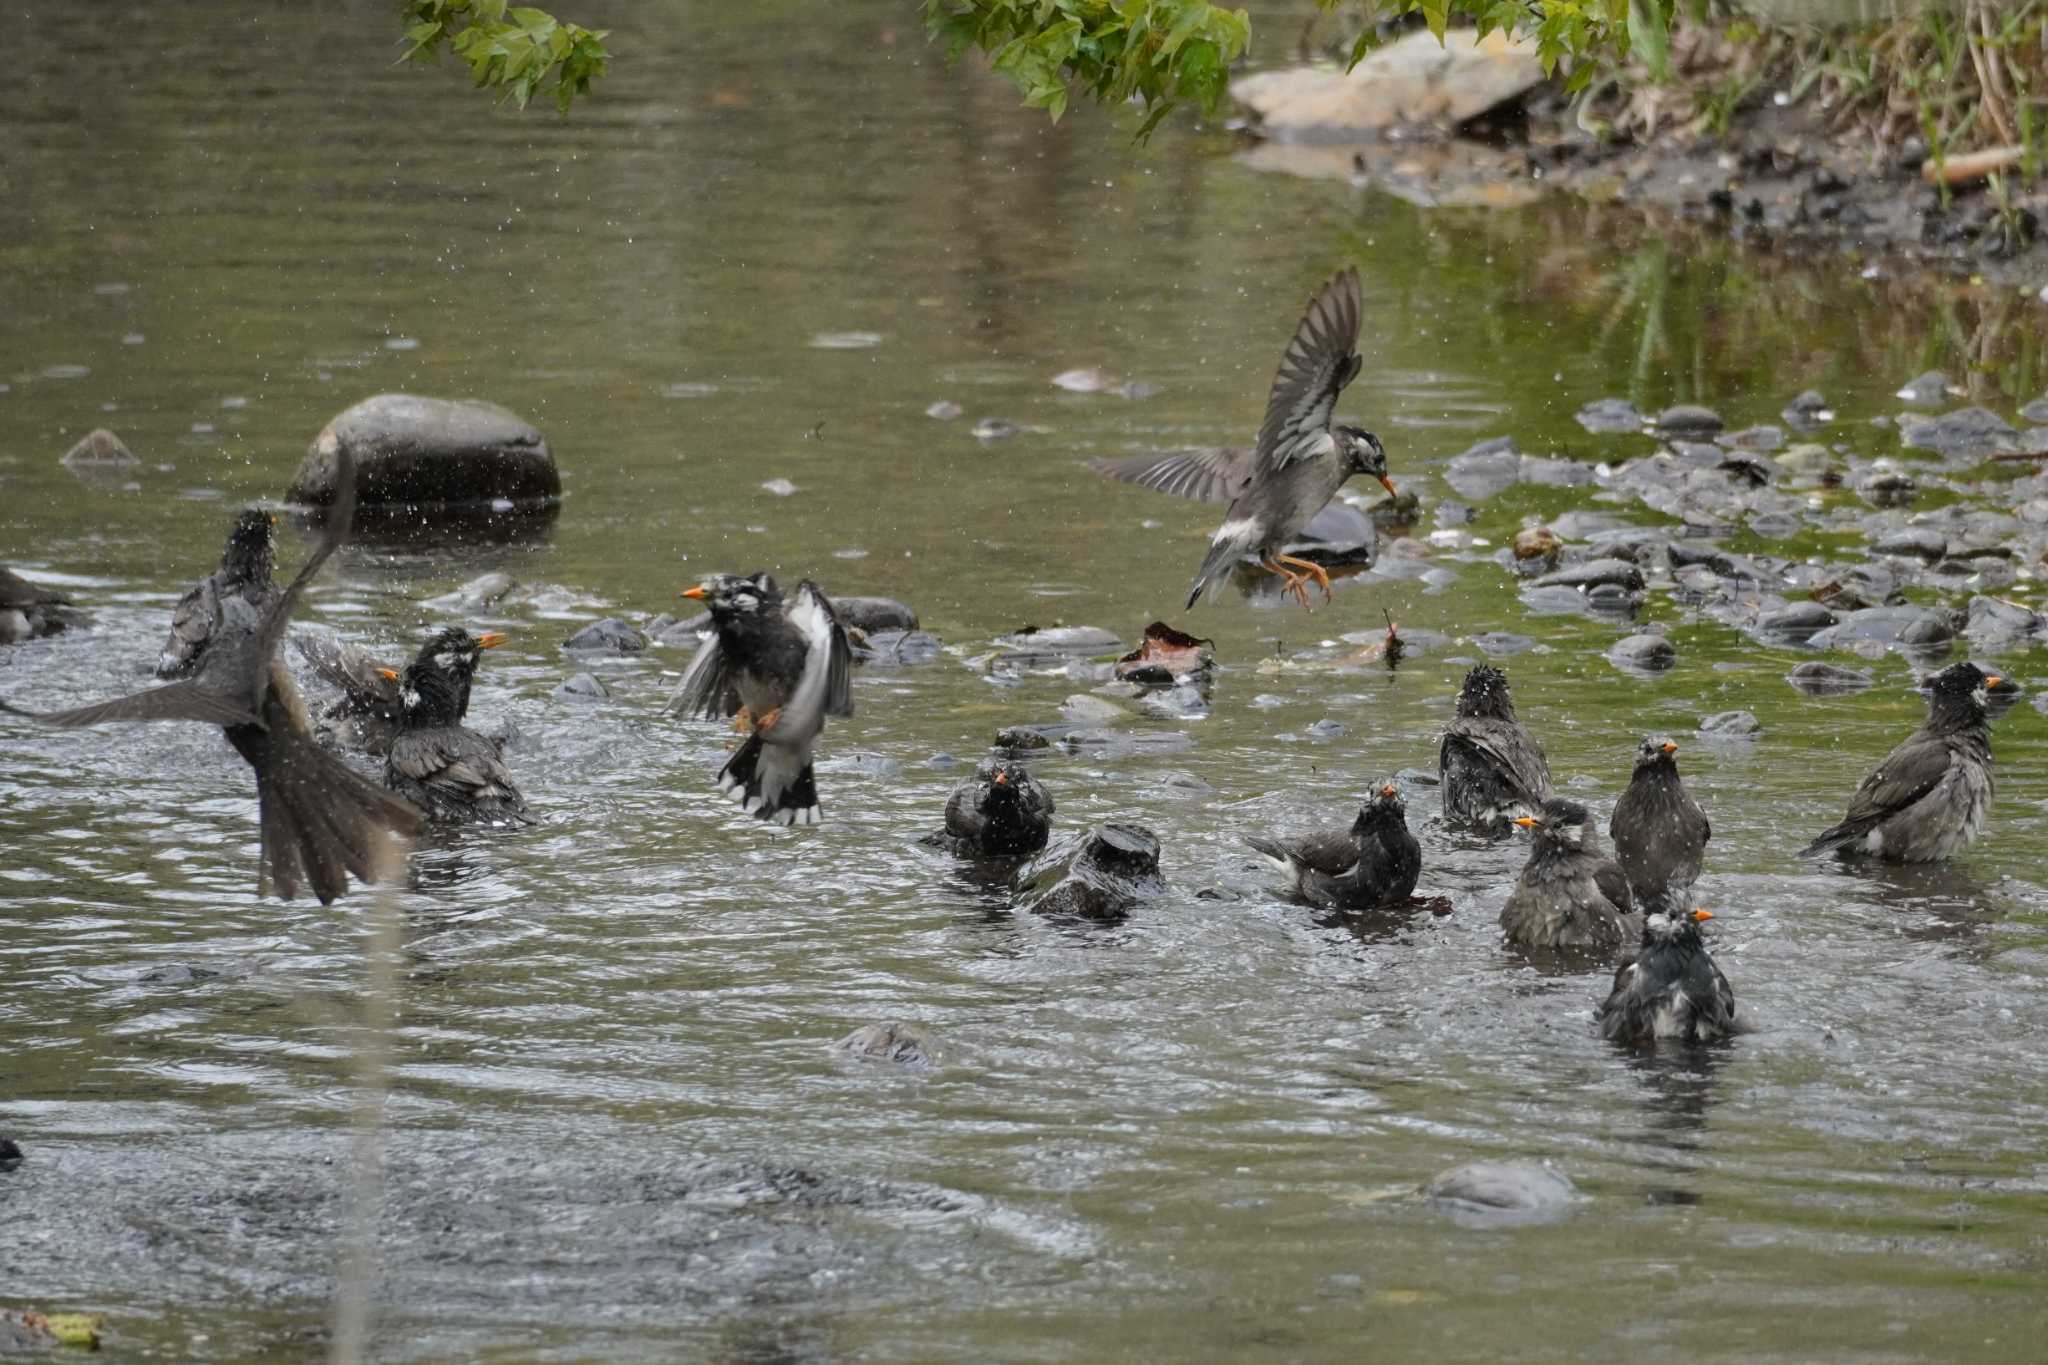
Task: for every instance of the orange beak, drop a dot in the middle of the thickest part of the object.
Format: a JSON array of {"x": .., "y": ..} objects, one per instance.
[
  {"x": 1388, "y": 484},
  {"x": 1669, "y": 747},
  {"x": 1993, "y": 681},
  {"x": 388, "y": 674},
  {"x": 1702, "y": 916},
  {"x": 1387, "y": 790},
  {"x": 1527, "y": 821},
  {"x": 490, "y": 639},
  {"x": 1002, "y": 778},
  {"x": 696, "y": 594}
]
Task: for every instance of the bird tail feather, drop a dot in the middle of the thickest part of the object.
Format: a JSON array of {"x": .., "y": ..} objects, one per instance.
[
  {"x": 758, "y": 779},
  {"x": 321, "y": 821},
  {"x": 1224, "y": 552},
  {"x": 1271, "y": 850}
]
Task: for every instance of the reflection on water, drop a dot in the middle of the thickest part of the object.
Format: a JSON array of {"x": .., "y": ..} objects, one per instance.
[{"x": 618, "y": 1122}]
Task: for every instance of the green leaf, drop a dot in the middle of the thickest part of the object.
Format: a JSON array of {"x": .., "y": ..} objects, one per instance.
[{"x": 1649, "y": 36}]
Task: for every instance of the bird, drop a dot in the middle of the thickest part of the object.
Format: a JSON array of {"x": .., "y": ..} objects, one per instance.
[
  {"x": 1492, "y": 768},
  {"x": 1660, "y": 833},
  {"x": 1931, "y": 797},
  {"x": 452, "y": 773},
  {"x": 320, "y": 821},
  {"x": 367, "y": 713},
  {"x": 30, "y": 610},
  {"x": 1672, "y": 989},
  {"x": 1299, "y": 462},
  {"x": 1000, "y": 812},
  {"x": 234, "y": 597},
  {"x": 1569, "y": 895},
  {"x": 1373, "y": 862},
  {"x": 782, "y": 665}
]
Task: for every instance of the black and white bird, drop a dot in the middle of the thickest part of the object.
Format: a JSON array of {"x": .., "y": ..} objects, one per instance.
[
  {"x": 1672, "y": 990},
  {"x": 320, "y": 821},
  {"x": 1000, "y": 812},
  {"x": 1493, "y": 769},
  {"x": 1300, "y": 461},
  {"x": 1570, "y": 895},
  {"x": 783, "y": 665},
  {"x": 232, "y": 599},
  {"x": 451, "y": 772},
  {"x": 367, "y": 713},
  {"x": 1931, "y": 797},
  {"x": 1374, "y": 861},
  {"x": 1660, "y": 833}
]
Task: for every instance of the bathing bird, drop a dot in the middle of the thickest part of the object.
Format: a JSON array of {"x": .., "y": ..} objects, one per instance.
[
  {"x": 1372, "y": 862},
  {"x": 1672, "y": 989},
  {"x": 1931, "y": 797},
  {"x": 1570, "y": 895},
  {"x": 1660, "y": 833},
  {"x": 231, "y": 599},
  {"x": 367, "y": 713},
  {"x": 449, "y": 771},
  {"x": 1492, "y": 768},
  {"x": 1000, "y": 812}
]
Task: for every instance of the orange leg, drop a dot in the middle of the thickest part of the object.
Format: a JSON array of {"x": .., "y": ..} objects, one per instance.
[
  {"x": 743, "y": 720},
  {"x": 767, "y": 721},
  {"x": 1295, "y": 582},
  {"x": 1310, "y": 568}
]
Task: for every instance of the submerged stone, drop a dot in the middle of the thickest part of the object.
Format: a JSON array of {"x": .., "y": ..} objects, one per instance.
[
  {"x": 1614, "y": 572},
  {"x": 1966, "y": 433},
  {"x": 1731, "y": 725},
  {"x": 1908, "y": 626},
  {"x": 415, "y": 450},
  {"x": 1927, "y": 390},
  {"x": 1795, "y": 623},
  {"x": 98, "y": 451},
  {"x": 1993, "y": 620},
  {"x": 1505, "y": 1191},
  {"x": 1760, "y": 439},
  {"x": 871, "y": 614},
  {"x": 1807, "y": 411},
  {"x": 1820, "y": 679},
  {"x": 1609, "y": 416},
  {"x": 609, "y": 636},
  {"x": 1643, "y": 653},
  {"x": 1913, "y": 542},
  {"x": 891, "y": 1040},
  {"x": 1689, "y": 419},
  {"x": 581, "y": 687}
]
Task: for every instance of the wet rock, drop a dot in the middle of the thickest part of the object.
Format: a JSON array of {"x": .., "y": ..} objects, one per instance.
[
  {"x": 1885, "y": 486},
  {"x": 1908, "y": 627},
  {"x": 1930, "y": 390},
  {"x": 1413, "y": 80},
  {"x": 1019, "y": 739},
  {"x": 871, "y": 614},
  {"x": 1689, "y": 419},
  {"x": 1805, "y": 458},
  {"x": 481, "y": 592},
  {"x": 1484, "y": 469},
  {"x": 1102, "y": 876},
  {"x": 11, "y": 1154},
  {"x": 415, "y": 450},
  {"x": 29, "y": 611},
  {"x": 1607, "y": 416},
  {"x": 2036, "y": 411},
  {"x": 1186, "y": 701},
  {"x": 1642, "y": 653},
  {"x": 581, "y": 687},
  {"x": 1995, "y": 621},
  {"x": 685, "y": 634},
  {"x": 1795, "y": 623},
  {"x": 994, "y": 429},
  {"x": 1807, "y": 411},
  {"x": 1966, "y": 433},
  {"x": 1913, "y": 542},
  {"x": 1082, "y": 709},
  {"x": 891, "y": 647},
  {"x": 1818, "y": 679},
  {"x": 1730, "y": 725},
  {"x": 1554, "y": 601},
  {"x": 891, "y": 1040},
  {"x": 609, "y": 636},
  {"x": 1502, "y": 1192},
  {"x": 1758, "y": 439},
  {"x": 1326, "y": 729},
  {"x": 177, "y": 974},
  {"x": 1059, "y": 642},
  {"x": 1595, "y": 572},
  {"x": 98, "y": 452},
  {"x": 945, "y": 410},
  {"x": 862, "y": 765},
  {"x": 1501, "y": 644}
]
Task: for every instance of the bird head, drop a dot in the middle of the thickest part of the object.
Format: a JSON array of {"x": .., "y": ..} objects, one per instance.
[
  {"x": 731, "y": 596},
  {"x": 1485, "y": 694},
  {"x": 1963, "y": 682},
  {"x": 1559, "y": 822},
  {"x": 1656, "y": 751},
  {"x": 252, "y": 545},
  {"x": 1383, "y": 804},
  {"x": 1003, "y": 784},
  {"x": 1674, "y": 925},
  {"x": 455, "y": 650},
  {"x": 430, "y": 694},
  {"x": 1363, "y": 454}
]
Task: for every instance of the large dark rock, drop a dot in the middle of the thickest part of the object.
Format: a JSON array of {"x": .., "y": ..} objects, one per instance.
[
  {"x": 414, "y": 450},
  {"x": 871, "y": 614},
  {"x": 1966, "y": 433},
  {"x": 1100, "y": 877}
]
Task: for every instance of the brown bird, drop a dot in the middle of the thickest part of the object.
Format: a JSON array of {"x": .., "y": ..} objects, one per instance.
[{"x": 320, "y": 821}]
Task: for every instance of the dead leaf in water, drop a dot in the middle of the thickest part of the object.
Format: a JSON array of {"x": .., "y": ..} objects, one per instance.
[{"x": 1164, "y": 655}]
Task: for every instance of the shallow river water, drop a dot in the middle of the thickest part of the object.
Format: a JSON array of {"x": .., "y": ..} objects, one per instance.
[{"x": 617, "y": 1127}]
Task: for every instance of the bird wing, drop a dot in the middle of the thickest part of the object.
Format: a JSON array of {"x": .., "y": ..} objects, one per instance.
[
  {"x": 1215, "y": 474},
  {"x": 707, "y": 689},
  {"x": 1911, "y": 771},
  {"x": 826, "y": 661},
  {"x": 192, "y": 622},
  {"x": 1319, "y": 361},
  {"x": 459, "y": 762},
  {"x": 188, "y": 700},
  {"x": 1507, "y": 749},
  {"x": 341, "y": 516},
  {"x": 1613, "y": 885},
  {"x": 349, "y": 668},
  {"x": 1331, "y": 852}
]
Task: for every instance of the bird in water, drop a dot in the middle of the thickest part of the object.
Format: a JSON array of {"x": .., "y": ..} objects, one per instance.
[
  {"x": 1000, "y": 812},
  {"x": 449, "y": 771},
  {"x": 782, "y": 665},
  {"x": 367, "y": 714},
  {"x": 1931, "y": 797},
  {"x": 1492, "y": 768},
  {"x": 320, "y": 821},
  {"x": 1672, "y": 989},
  {"x": 231, "y": 599},
  {"x": 1660, "y": 833},
  {"x": 1300, "y": 461},
  {"x": 29, "y": 611},
  {"x": 1373, "y": 862},
  {"x": 1569, "y": 895}
]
